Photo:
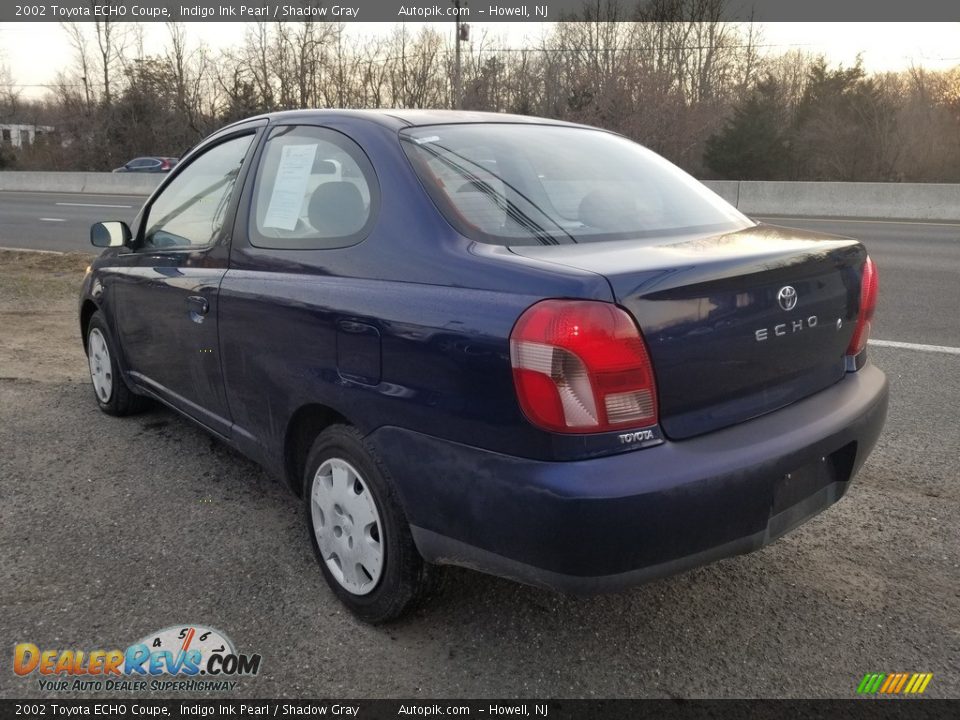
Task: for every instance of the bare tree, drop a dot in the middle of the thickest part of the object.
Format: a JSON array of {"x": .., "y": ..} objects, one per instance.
[
  {"x": 190, "y": 69},
  {"x": 108, "y": 51},
  {"x": 9, "y": 94},
  {"x": 79, "y": 43}
]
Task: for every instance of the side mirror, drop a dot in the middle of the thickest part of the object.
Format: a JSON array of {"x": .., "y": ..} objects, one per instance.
[{"x": 110, "y": 234}]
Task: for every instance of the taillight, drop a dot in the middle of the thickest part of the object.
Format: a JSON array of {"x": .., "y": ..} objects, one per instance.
[
  {"x": 581, "y": 366},
  {"x": 868, "y": 303},
  {"x": 165, "y": 165}
]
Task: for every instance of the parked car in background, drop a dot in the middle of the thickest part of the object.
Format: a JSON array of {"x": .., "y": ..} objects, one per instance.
[
  {"x": 522, "y": 346},
  {"x": 149, "y": 165}
]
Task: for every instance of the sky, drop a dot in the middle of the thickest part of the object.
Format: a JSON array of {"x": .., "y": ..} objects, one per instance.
[{"x": 35, "y": 52}]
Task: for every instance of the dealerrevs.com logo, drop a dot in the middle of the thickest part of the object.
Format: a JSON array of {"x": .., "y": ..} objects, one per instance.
[{"x": 184, "y": 658}]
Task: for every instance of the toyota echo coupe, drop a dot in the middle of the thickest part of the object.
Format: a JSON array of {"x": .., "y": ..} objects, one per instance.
[{"x": 527, "y": 347}]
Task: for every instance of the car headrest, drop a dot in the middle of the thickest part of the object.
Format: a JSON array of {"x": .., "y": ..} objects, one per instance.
[
  {"x": 337, "y": 209},
  {"x": 608, "y": 209},
  {"x": 324, "y": 167}
]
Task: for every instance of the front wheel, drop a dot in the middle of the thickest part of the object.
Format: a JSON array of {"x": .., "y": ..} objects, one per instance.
[{"x": 359, "y": 533}]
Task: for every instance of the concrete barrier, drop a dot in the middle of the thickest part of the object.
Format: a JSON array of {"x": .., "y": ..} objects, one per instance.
[
  {"x": 890, "y": 201},
  {"x": 78, "y": 182},
  {"x": 729, "y": 190}
]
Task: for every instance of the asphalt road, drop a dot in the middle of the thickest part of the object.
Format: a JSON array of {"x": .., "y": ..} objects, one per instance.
[
  {"x": 59, "y": 221},
  {"x": 112, "y": 528}
]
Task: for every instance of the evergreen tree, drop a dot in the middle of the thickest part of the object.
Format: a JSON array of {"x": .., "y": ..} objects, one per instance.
[
  {"x": 844, "y": 127},
  {"x": 753, "y": 144}
]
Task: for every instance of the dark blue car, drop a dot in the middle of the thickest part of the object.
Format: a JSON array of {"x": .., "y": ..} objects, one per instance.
[{"x": 525, "y": 347}]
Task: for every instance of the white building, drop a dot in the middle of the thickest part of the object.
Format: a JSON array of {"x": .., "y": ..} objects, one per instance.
[{"x": 19, "y": 135}]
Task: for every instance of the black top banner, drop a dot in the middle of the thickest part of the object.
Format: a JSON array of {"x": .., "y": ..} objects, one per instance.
[{"x": 479, "y": 10}]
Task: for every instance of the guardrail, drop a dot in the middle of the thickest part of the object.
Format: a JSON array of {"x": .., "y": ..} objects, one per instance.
[
  {"x": 80, "y": 182},
  {"x": 892, "y": 201}
]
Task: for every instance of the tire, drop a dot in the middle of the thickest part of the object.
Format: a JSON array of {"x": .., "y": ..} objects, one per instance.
[
  {"x": 359, "y": 532},
  {"x": 111, "y": 392}
]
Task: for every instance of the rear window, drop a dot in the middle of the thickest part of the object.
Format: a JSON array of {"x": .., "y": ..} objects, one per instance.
[{"x": 540, "y": 184}]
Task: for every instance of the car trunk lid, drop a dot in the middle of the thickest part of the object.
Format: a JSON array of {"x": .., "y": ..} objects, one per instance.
[{"x": 737, "y": 324}]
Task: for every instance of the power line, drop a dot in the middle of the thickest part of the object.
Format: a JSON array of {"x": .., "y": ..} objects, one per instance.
[{"x": 49, "y": 85}]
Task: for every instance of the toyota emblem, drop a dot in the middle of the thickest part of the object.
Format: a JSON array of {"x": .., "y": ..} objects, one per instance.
[{"x": 787, "y": 297}]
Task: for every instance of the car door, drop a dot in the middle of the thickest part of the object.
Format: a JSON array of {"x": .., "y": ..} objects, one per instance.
[{"x": 166, "y": 289}]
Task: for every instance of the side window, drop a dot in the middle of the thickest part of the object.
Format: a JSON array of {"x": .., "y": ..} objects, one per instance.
[
  {"x": 315, "y": 189},
  {"x": 190, "y": 211}
]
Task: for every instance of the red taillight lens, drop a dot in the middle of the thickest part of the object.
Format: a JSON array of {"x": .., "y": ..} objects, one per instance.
[
  {"x": 165, "y": 165},
  {"x": 868, "y": 303},
  {"x": 581, "y": 366}
]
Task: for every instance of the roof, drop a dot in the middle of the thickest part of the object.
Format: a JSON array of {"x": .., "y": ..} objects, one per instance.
[{"x": 406, "y": 118}]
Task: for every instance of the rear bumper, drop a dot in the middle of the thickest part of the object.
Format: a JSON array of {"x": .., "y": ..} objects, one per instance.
[{"x": 612, "y": 522}]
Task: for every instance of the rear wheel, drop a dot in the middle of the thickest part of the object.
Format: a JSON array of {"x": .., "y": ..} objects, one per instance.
[
  {"x": 359, "y": 533},
  {"x": 112, "y": 394}
]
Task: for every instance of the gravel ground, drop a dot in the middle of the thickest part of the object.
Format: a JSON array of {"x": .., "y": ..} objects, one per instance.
[{"x": 112, "y": 528}]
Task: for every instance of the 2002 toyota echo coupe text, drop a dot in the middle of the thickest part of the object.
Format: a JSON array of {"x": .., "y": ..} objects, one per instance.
[{"x": 527, "y": 347}]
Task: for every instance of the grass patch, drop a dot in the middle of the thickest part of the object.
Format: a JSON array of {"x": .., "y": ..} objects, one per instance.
[{"x": 31, "y": 276}]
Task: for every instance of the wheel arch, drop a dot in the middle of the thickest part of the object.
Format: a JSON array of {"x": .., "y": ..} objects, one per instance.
[
  {"x": 306, "y": 423},
  {"x": 87, "y": 310}
]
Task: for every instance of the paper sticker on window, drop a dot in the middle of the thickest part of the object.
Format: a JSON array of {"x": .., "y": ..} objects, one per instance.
[{"x": 290, "y": 186}]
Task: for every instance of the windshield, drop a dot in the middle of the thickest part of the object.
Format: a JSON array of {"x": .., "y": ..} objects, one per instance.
[{"x": 541, "y": 184}]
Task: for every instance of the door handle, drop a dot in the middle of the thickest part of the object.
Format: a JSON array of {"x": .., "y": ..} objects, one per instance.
[{"x": 198, "y": 304}]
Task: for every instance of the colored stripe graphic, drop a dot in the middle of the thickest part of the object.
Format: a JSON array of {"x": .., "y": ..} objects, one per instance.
[
  {"x": 894, "y": 683},
  {"x": 870, "y": 683}
]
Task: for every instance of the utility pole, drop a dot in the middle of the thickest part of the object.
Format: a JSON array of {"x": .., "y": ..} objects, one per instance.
[{"x": 462, "y": 32}]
